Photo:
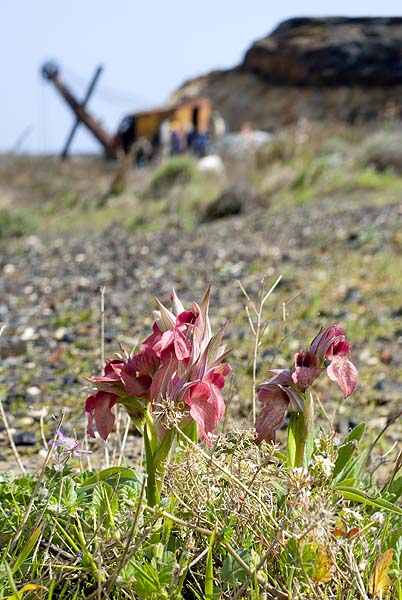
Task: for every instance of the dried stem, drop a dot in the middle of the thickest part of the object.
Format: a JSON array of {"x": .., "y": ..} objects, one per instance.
[{"x": 11, "y": 439}]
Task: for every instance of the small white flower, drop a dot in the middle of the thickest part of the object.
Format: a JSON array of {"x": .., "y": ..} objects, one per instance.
[
  {"x": 378, "y": 517},
  {"x": 353, "y": 513}
]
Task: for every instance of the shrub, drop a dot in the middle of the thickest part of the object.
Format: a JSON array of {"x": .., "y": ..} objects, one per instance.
[
  {"x": 278, "y": 149},
  {"x": 176, "y": 170},
  {"x": 383, "y": 151},
  {"x": 14, "y": 224}
]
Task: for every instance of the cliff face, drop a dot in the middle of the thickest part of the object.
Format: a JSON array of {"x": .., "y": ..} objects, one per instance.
[
  {"x": 335, "y": 68},
  {"x": 330, "y": 51}
]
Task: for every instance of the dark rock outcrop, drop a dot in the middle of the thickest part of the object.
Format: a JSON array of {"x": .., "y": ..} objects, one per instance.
[
  {"x": 330, "y": 51},
  {"x": 321, "y": 69}
]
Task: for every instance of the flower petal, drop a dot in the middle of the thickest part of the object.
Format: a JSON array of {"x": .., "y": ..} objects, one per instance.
[
  {"x": 205, "y": 409},
  {"x": 305, "y": 370},
  {"x": 344, "y": 372},
  {"x": 99, "y": 407},
  {"x": 271, "y": 418}
]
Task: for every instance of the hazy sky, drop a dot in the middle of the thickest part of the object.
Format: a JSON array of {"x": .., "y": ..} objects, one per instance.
[{"x": 148, "y": 48}]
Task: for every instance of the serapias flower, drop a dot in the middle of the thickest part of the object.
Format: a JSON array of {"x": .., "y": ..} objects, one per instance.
[
  {"x": 180, "y": 361},
  {"x": 285, "y": 390},
  {"x": 192, "y": 371}
]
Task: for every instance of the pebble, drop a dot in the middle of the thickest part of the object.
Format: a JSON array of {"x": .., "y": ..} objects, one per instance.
[
  {"x": 24, "y": 438},
  {"x": 28, "y": 334},
  {"x": 34, "y": 390}
]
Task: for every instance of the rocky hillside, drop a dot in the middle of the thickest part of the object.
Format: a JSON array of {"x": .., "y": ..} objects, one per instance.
[{"x": 334, "y": 68}]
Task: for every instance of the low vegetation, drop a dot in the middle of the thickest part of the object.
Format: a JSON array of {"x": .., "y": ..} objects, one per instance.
[
  {"x": 232, "y": 519},
  {"x": 175, "y": 171}
]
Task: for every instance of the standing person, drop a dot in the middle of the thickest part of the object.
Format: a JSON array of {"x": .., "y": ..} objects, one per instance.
[
  {"x": 201, "y": 143},
  {"x": 218, "y": 125},
  {"x": 164, "y": 138},
  {"x": 175, "y": 138}
]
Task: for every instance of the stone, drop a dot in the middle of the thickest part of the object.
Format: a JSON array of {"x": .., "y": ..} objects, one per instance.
[
  {"x": 10, "y": 347},
  {"x": 330, "y": 51},
  {"x": 24, "y": 438},
  {"x": 314, "y": 69},
  {"x": 229, "y": 203}
]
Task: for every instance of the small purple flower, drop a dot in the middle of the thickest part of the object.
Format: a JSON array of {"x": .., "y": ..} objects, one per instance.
[{"x": 68, "y": 445}]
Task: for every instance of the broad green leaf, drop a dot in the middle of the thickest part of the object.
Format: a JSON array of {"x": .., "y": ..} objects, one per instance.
[
  {"x": 69, "y": 491},
  {"x": 395, "y": 488},
  {"x": 345, "y": 453},
  {"x": 292, "y": 441},
  {"x": 111, "y": 475},
  {"x": 151, "y": 491},
  {"x": 352, "y": 470},
  {"x": 105, "y": 502},
  {"x": 356, "y": 433},
  {"x": 166, "y": 567},
  {"x": 355, "y": 495},
  {"x": 152, "y": 578},
  {"x": 231, "y": 572}
]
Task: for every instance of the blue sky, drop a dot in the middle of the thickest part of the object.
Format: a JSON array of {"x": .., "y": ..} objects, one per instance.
[{"x": 148, "y": 48}]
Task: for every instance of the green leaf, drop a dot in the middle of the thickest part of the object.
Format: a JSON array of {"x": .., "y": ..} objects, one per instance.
[
  {"x": 350, "y": 493},
  {"x": 69, "y": 492},
  {"x": 152, "y": 578},
  {"x": 356, "y": 433},
  {"x": 165, "y": 566},
  {"x": 232, "y": 573},
  {"x": 395, "y": 488},
  {"x": 346, "y": 451},
  {"x": 352, "y": 470},
  {"x": 105, "y": 502},
  {"x": 151, "y": 491},
  {"x": 27, "y": 549},
  {"x": 291, "y": 442},
  {"x": 111, "y": 475}
]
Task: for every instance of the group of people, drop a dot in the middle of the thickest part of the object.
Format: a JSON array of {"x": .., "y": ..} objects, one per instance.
[
  {"x": 171, "y": 138},
  {"x": 177, "y": 139}
]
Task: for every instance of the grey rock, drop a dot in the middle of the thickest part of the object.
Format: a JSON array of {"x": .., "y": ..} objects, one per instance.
[{"x": 24, "y": 438}]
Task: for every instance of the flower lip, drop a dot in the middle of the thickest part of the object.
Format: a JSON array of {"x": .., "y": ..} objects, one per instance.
[{"x": 305, "y": 369}]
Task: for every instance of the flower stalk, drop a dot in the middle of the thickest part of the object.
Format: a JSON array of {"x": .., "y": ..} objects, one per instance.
[{"x": 301, "y": 434}]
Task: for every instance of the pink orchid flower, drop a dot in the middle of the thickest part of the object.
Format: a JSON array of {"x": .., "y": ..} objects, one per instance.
[
  {"x": 331, "y": 345},
  {"x": 285, "y": 390},
  {"x": 278, "y": 394},
  {"x": 180, "y": 361},
  {"x": 195, "y": 380}
]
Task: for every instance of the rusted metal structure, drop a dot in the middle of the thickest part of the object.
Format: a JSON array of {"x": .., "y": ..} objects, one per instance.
[
  {"x": 50, "y": 71},
  {"x": 194, "y": 114}
]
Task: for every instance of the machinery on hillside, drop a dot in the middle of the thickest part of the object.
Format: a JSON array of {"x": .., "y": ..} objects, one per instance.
[{"x": 137, "y": 129}]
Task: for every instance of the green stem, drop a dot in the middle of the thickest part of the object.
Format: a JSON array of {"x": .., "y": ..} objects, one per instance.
[
  {"x": 301, "y": 434},
  {"x": 151, "y": 489},
  {"x": 155, "y": 461}
]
